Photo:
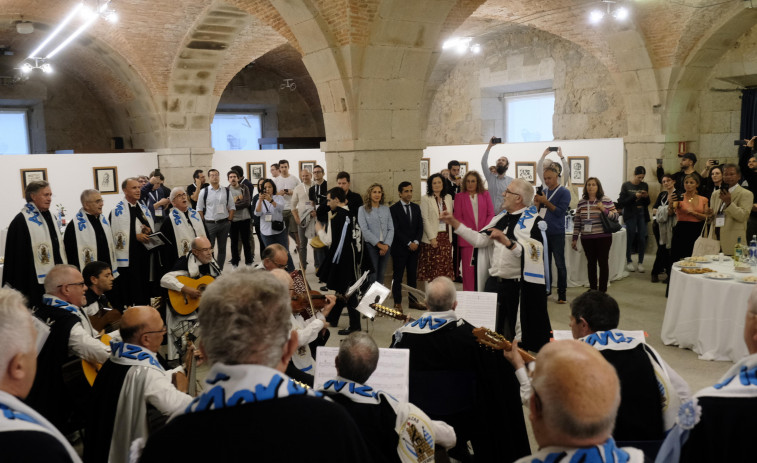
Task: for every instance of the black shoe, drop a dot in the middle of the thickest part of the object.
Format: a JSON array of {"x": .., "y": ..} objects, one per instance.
[
  {"x": 324, "y": 288},
  {"x": 655, "y": 278},
  {"x": 347, "y": 331}
]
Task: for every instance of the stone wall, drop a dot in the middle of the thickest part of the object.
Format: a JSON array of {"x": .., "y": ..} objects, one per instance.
[
  {"x": 287, "y": 113},
  {"x": 587, "y": 102},
  {"x": 73, "y": 117},
  {"x": 720, "y": 100}
]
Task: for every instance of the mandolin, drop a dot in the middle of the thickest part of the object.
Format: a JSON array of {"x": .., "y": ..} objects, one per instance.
[
  {"x": 396, "y": 314},
  {"x": 496, "y": 341},
  {"x": 182, "y": 304}
]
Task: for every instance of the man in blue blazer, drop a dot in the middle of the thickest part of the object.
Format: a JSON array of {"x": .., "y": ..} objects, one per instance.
[{"x": 408, "y": 230}]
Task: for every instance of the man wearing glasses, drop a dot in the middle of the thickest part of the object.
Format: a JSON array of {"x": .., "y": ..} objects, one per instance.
[
  {"x": 510, "y": 261},
  {"x": 88, "y": 237},
  {"x": 197, "y": 264},
  {"x": 274, "y": 256},
  {"x": 128, "y": 382},
  {"x": 69, "y": 335}
]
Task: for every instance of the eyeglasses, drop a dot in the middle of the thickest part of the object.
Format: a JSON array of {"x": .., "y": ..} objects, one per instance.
[
  {"x": 511, "y": 192},
  {"x": 82, "y": 284},
  {"x": 181, "y": 195},
  {"x": 204, "y": 249},
  {"x": 162, "y": 330},
  {"x": 282, "y": 266},
  {"x": 97, "y": 201}
]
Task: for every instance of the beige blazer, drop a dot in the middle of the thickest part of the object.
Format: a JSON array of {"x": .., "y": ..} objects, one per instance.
[
  {"x": 430, "y": 213},
  {"x": 736, "y": 216}
]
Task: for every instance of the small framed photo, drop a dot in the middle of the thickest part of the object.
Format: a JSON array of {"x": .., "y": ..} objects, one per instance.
[
  {"x": 463, "y": 168},
  {"x": 579, "y": 169},
  {"x": 31, "y": 175},
  {"x": 526, "y": 171},
  {"x": 106, "y": 179},
  {"x": 306, "y": 165},
  {"x": 425, "y": 166},
  {"x": 255, "y": 171}
]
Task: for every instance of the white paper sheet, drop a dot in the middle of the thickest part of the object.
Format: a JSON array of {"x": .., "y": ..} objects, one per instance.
[
  {"x": 477, "y": 308},
  {"x": 392, "y": 373},
  {"x": 377, "y": 290}
]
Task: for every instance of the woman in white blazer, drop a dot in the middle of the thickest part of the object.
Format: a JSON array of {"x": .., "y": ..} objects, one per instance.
[{"x": 435, "y": 255}]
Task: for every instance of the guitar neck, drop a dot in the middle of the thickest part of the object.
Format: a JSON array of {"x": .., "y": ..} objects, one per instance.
[
  {"x": 396, "y": 314},
  {"x": 496, "y": 341}
]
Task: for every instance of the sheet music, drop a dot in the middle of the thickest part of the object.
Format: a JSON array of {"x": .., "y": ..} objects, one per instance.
[
  {"x": 477, "y": 308},
  {"x": 561, "y": 335},
  {"x": 155, "y": 240},
  {"x": 392, "y": 373},
  {"x": 376, "y": 290},
  {"x": 357, "y": 284}
]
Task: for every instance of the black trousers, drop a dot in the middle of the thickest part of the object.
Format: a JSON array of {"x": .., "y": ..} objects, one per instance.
[
  {"x": 402, "y": 261},
  {"x": 336, "y": 312},
  {"x": 508, "y": 298},
  {"x": 662, "y": 259}
]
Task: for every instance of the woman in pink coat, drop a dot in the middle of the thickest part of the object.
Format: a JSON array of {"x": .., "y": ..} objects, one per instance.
[{"x": 474, "y": 208}]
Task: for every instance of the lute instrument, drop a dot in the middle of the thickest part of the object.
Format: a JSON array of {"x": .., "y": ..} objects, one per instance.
[
  {"x": 496, "y": 341},
  {"x": 180, "y": 302},
  {"x": 393, "y": 313}
]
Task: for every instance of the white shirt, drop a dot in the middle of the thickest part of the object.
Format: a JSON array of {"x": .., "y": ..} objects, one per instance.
[
  {"x": 161, "y": 393},
  {"x": 288, "y": 183},
  {"x": 300, "y": 199},
  {"x": 215, "y": 206},
  {"x": 83, "y": 345}
]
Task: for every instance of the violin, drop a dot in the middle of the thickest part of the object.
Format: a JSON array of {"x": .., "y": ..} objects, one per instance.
[{"x": 301, "y": 303}]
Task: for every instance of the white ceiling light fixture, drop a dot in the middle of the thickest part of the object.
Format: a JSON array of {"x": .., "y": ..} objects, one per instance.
[
  {"x": 619, "y": 13},
  {"x": 89, "y": 16},
  {"x": 462, "y": 45}
]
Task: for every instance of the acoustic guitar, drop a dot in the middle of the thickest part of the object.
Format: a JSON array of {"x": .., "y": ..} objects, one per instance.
[
  {"x": 182, "y": 304},
  {"x": 496, "y": 341},
  {"x": 91, "y": 369}
]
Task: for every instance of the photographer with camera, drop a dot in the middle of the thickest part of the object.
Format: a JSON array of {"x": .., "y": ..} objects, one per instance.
[
  {"x": 748, "y": 166},
  {"x": 496, "y": 183}
]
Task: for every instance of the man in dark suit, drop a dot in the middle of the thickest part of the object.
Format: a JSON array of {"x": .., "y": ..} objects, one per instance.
[{"x": 408, "y": 230}]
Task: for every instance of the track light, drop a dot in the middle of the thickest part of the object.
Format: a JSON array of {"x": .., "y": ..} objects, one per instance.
[{"x": 620, "y": 13}]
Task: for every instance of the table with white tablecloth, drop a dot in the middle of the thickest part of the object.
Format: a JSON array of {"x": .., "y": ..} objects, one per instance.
[
  {"x": 575, "y": 261},
  {"x": 706, "y": 315}
]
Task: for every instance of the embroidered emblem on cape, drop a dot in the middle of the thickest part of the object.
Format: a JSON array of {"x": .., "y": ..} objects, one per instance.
[
  {"x": 185, "y": 246},
  {"x": 689, "y": 414},
  {"x": 417, "y": 441},
  {"x": 120, "y": 239},
  {"x": 89, "y": 256},
  {"x": 43, "y": 254}
]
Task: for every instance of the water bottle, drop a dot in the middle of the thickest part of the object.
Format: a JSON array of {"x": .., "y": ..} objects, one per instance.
[{"x": 753, "y": 250}]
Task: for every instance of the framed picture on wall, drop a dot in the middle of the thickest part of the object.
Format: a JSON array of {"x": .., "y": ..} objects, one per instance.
[
  {"x": 526, "y": 171},
  {"x": 306, "y": 165},
  {"x": 255, "y": 171},
  {"x": 425, "y": 166},
  {"x": 579, "y": 169},
  {"x": 31, "y": 175},
  {"x": 463, "y": 168},
  {"x": 106, "y": 179}
]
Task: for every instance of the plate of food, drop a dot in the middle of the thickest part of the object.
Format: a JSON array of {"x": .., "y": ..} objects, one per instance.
[
  {"x": 686, "y": 264},
  {"x": 750, "y": 280},
  {"x": 742, "y": 268},
  {"x": 718, "y": 276},
  {"x": 697, "y": 270},
  {"x": 699, "y": 259}
]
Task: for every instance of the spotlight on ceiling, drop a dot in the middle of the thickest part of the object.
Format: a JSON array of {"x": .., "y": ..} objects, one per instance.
[
  {"x": 596, "y": 16},
  {"x": 619, "y": 13},
  {"x": 24, "y": 27},
  {"x": 462, "y": 45}
]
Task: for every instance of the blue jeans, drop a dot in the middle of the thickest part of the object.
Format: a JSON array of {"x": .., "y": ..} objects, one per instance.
[
  {"x": 283, "y": 239},
  {"x": 556, "y": 244},
  {"x": 636, "y": 227},
  {"x": 379, "y": 264}
]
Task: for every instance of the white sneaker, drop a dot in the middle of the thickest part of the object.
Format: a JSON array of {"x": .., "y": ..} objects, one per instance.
[
  {"x": 630, "y": 267},
  {"x": 640, "y": 268}
]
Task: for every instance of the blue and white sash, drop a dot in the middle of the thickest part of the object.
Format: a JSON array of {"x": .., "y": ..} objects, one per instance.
[
  {"x": 232, "y": 385},
  {"x": 17, "y": 416},
  {"x": 414, "y": 428},
  {"x": 186, "y": 230},
  {"x": 120, "y": 224},
  {"x": 429, "y": 323},
  {"x": 86, "y": 240},
  {"x": 42, "y": 242},
  {"x": 534, "y": 269},
  {"x": 606, "y": 452},
  {"x": 124, "y": 353}
]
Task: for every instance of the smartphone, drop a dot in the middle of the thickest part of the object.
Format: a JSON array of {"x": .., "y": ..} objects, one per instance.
[
  {"x": 553, "y": 148},
  {"x": 715, "y": 162},
  {"x": 496, "y": 140},
  {"x": 659, "y": 161},
  {"x": 738, "y": 142}
]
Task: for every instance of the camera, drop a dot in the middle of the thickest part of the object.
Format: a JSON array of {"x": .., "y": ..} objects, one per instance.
[
  {"x": 496, "y": 140},
  {"x": 715, "y": 162},
  {"x": 738, "y": 142},
  {"x": 553, "y": 148}
]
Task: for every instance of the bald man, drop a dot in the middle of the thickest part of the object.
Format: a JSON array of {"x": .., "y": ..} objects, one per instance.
[
  {"x": 311, "y": 333},
  {"x": 197, "y": 264},
  {"x": 25, "y": 435},
  {"x": 575, "y": 397},
  {"x": 274, "y": 256},
  {"x": 128, "y": 384},
  {"x": 725, "y": 429},
  {"x": 70, "y": 337}
]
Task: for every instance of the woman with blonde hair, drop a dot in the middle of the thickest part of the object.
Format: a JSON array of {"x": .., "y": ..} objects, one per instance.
[
  {"x": 378, "y": 230},
  {"x": 474, "y": 209}
]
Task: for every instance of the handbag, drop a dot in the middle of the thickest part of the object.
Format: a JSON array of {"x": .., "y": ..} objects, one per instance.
[
  {"x": 706, "y": 244},
  {"x": 608, "y": 224},
  {"x": 276, "y": 225}
]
